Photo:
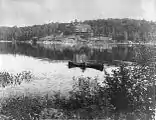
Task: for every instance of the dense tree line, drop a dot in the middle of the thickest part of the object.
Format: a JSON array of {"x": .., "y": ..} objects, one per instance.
[
  {"x": 122, "y": 29},
  {"x": 118, "y": 29}
]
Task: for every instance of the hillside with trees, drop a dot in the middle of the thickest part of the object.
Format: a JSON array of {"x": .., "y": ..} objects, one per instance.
[{"x": 117, "y": 29}]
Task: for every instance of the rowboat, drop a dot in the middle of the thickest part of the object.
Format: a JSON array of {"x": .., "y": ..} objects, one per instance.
[{"x": 84, "y": 65}]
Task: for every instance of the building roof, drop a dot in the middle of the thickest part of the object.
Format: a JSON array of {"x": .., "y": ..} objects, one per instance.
[{"x": 82, "y": 28}]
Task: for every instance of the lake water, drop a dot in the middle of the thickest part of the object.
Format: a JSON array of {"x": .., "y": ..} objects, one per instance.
[{"x": 49, "y": 63}]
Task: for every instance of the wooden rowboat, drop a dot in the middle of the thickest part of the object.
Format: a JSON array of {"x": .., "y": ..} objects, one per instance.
[{"x": 85, "y": 65}]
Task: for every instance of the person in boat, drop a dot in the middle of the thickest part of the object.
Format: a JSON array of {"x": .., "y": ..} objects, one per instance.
[{"x": 80, "y": 58}]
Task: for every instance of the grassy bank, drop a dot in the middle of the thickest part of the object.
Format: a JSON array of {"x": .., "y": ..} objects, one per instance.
[{"x": 127, "y": 94}]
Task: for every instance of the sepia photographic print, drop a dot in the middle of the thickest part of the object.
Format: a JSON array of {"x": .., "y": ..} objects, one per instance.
[{"x": 77, "y": 59}]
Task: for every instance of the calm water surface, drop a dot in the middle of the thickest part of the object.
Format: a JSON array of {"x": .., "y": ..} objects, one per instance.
[{"x": 49, "y": 62}]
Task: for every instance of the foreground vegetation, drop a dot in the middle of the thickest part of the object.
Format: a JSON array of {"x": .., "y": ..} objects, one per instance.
[
  {"x": 7, "y": 79},
  {"x": 128, "y": 93}
]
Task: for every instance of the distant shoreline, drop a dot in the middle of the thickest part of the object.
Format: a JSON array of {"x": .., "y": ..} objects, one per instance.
[{"x": 79, "y": 42}]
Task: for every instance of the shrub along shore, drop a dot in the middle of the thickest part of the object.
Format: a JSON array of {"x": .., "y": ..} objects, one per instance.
[{"x": 127, "y": 94}]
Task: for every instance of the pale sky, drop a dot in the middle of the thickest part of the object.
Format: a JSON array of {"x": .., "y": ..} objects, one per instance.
[{"x": 30, "y": 12}]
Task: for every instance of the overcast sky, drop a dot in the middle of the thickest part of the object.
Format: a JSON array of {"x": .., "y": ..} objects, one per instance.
[{"x": 30, "y": 12}]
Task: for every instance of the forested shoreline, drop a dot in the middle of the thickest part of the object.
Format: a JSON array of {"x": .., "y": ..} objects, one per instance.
[{"x": 117, "y": 29}]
